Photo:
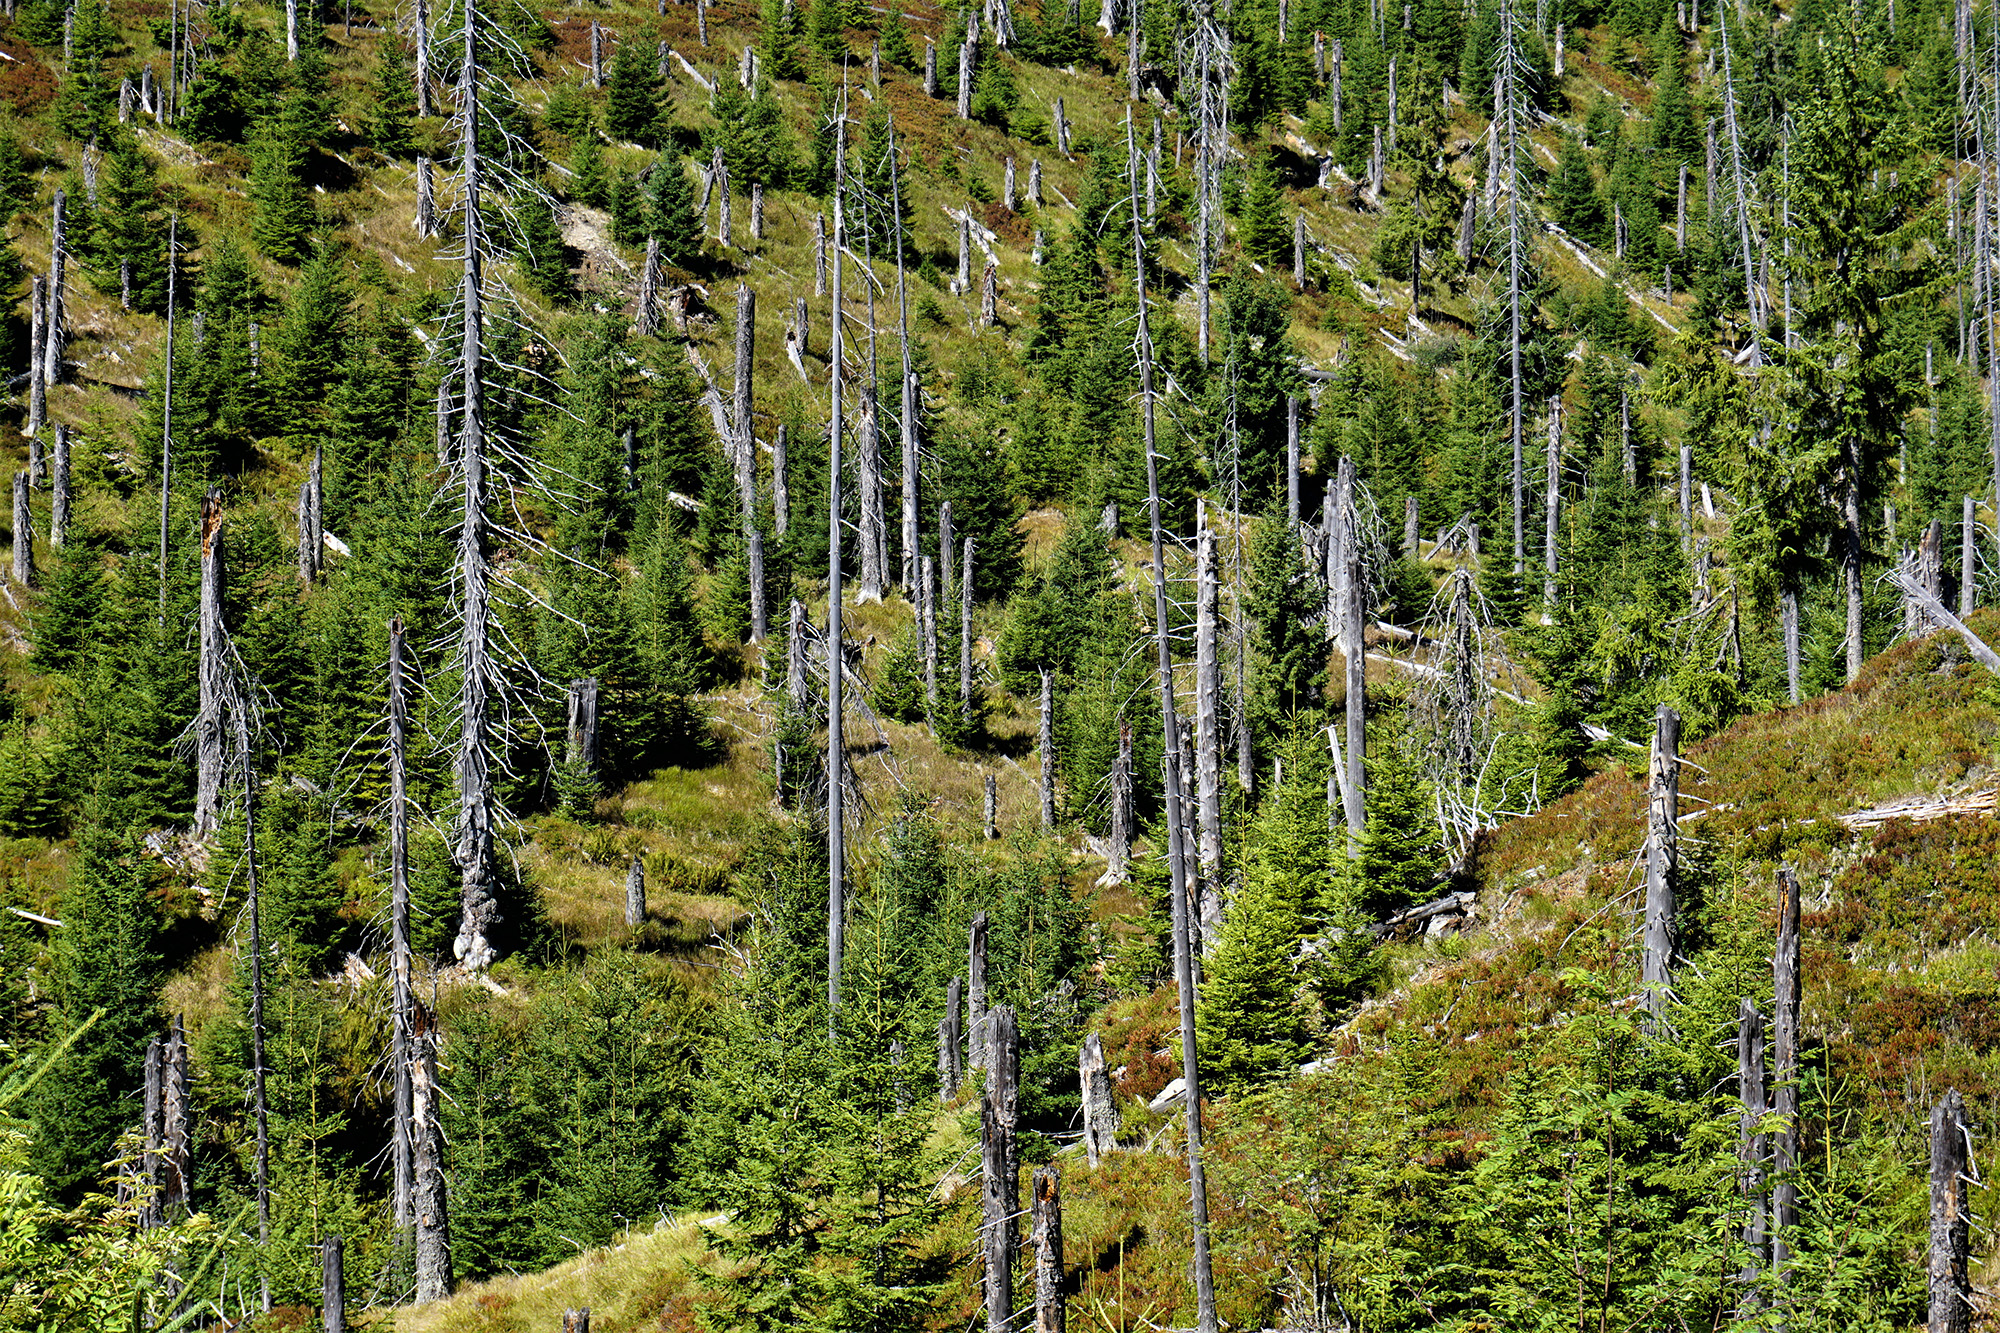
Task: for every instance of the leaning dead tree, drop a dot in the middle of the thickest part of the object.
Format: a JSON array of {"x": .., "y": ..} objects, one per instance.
[
  {"x": 1176, "y": 815},
  {"x": 1785, "y": 1076}
]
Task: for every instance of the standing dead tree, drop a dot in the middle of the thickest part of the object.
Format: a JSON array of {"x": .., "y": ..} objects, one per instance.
[
  {"x": 1952, "y": 1175},
  {"x": 1048, "y": 1242},
  {"x": 1170, "y": 727},
  {"x": 999, "y": 1123},
  {"x": 1510, "y": 68},
  {"x": 1751, "y": 1146},
  {"x": 1656, "y": 972},
  {"x": 836, "y": 745},
  {"x": 1100, "y": 1112},
  {"x": 399, "y": 929}
]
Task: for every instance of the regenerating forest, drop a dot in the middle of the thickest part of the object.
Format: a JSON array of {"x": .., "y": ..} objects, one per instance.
[{"x": 880, "y": 667}]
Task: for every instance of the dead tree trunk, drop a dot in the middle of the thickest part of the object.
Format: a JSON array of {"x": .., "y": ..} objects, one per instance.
[
  {"x": 1785, "y": 1075},
  {"x": 927, "y": 628},
  {"x": 576, "y": 1321},
  {"x": 581, "y": 752},
  {"x": 1118, "y": 853},
  {"x": 1656, "y": 973},
  {"x": 1553, "y": 502},
  {"x": 1046, "y": 742},
  {"x": 1788, "y": 615},
  {"x": 1292, "y": 460},
  {"x": 212, "y": 679},
  {"x": 1047, "y": 1236},
  {"x": 1100, "y": 1112},
  {"x": 1967, "y": 561},
  {"x": 1353, "y": 652},
  {"x": 432, "y": 1197},
  {"x": 992, "y": 811},
  {"x": 781, "y": 483},
  {"x": 760, "y": 614},
  {"x": 1170, "y": 728},
  {"x": 1951, "y": 1217},
  {"x": 836, "y": 740},
  {"x": 259, "y": 1102},
  {"x": 176, "y": 1124},
  {"x": 38, "y": 323},
  {"x": 1751, "y": 1145},
  {"x": 744, "y": 446},
  {"x": 24, "y": 534},
  {"x": 59, "y": 490},
  {"x": 479, "y": 910},
  {"x": 950, "y": 1068},
  {"x": 332, "y": 1286},
  {"x": 635, "y": 893},
  {"x": 965, "y": 636},
  {"x": 312, "y": 534},
  {"x": 152, "y": 1132},
  {"x": 427, "y": 205},
  {"x": 399, "y": 928},
  {"x": 907, "y": 420},
  {"x": 874, "y": 518},
  {"x": 1000, "y": 1165},
  {"x": 54, "y": 334},
  {"x": 1207, "y": 689}
]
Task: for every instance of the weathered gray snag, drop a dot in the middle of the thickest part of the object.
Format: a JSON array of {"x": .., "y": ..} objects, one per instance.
[
  {"x": 743, "y": 447},
  {"x": 581, "y": 753},
  {"x": 576, "y": 1321},
  {"x": 760, "y": 613},
  {"x": 1000, "y": 1174},
  {"x": 1170, "y": 729},
  {"x": 1035, "y": 181},
  {"x": 432, "y": 1196},
  {"x": 38, "y": 393},
  {"x": 1551, "y": 508},
  {"x": 928, "y": 630},
  {"x": 1046, "y": 743},
  {"x": 1656, "y": 970},
  {"x": 212, "y": 677},
  {"x": 479, "y": 909},
  {"x": 1207, "y": 723},
  {"x": 871, "y": 532},
  {"x": 635, "y": 893},
  {"x": 24, "y": 533},
  {"x": 1349, "y": 591},
  {"x": 1751, "y": 1145},
  {"x": 1100, "y": 1112},
  {"x": 930, "y": 69},
  {"x": 176, "y": 1124},
  {"x": 819, "y": 256},
  {"x": 1788, "y": 615},
  {"x": 965, "y": 635},
  {"x": 781, "y": 484},
  {"x": 399, "y": 929},
  {"x": 152, "y": 1132},
  {"x": 1785, "y": 1074},
  {"x": 947, "y": 550},
  {"x": 951, "y": 1068},
  {"x": 1292, "y": 460},
  {"x": 1118, "y": 850},
  {"x": 421, "y": 30},
  {"x": 55, "y": 336},
  {"x": 992, "y": 812},
  {"x": 1951, "y": 1218},
  {"x": 37, "y": 464},
  {"x": 965, "y": 53},
  {"x": 907, "y": 421},
  {"x": 426, "y": 202},
  {"x": 1967, "y": 561},
  {"x": 1046, "y": 1236},
  {"x": 836, "y": 743},
  {"x": 1007, "y": 184},
  {"x": 332, "y": 1285},
  {"x": 312, "y": 518}
]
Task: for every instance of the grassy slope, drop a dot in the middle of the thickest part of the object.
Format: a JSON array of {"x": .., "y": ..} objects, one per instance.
[{"x": 1897, "y": 991}]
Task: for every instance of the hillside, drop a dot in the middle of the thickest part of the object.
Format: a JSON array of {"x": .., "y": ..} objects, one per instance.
[{"x": 1501, "y": 380}]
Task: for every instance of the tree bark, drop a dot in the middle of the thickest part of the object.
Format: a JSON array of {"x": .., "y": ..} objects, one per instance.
[
  {"x": 253, "y": 909},
  {"x": 873, "y": 518},
  {"x": 744, "y": 446},
  {"x": 1353, "y": 651},
  {"x": 38, "y": 393},
  {"x": 152, "y": 1132},
  {"x": 1048, "y": 1241},
  {"x": 781, "y": 484},
  {"x": 576, "y": 1321},
  {"x": 907, "y": 420},
  {"x": 1100, "y": 1112},
  {"x": 1000, "y": 1165},
  {"x": 760, "y": 614},
  {"x": 581, "y": 751},
  {"x": 332, "y": 1286},
  {"x": 1551, "y": 509},
  {"x": 950, "y": 1067},
  {"x": 1119, "y": 851},
  {"x": 992, "y": 812},
  {"x": 1788, "y": 613},
  {"x": 211, "y": 756},
  {"x": 1850, "y": 564},
  {"x": 54, "y": 334},
  {"x": 479, "y": 911},
  {"x": 432, "y": 1197},
  {"x": 1207, "y": 688},
  {"x": 1292, "y": 460},
  {"x": 1968, "y": 594},
  {"x": 421, "y": 29},
  {"x": 176, "y": 1124},
  {"x": 635, "y": 893},
  {"x": 965, "y": 636},
  {"x": 927, "y": 623},
  {"x": 1785, "y": 1075},
  {"x": 1951, "y": 1218},
  {"x": 24, "y": 534},
  {"x": 947, "y": 550},
  {"x": 1656, "y": 973}
]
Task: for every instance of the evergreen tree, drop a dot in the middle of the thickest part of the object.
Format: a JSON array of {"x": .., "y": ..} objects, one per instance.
[
  {"x": 286, "y": 217},
  {"x": 392, "y": 113},
  {"x": 780, "y": 46},
  {"x": 591, "y": 185},
  {"x": 1262, "y": 227},
  {"x": 1676, "y": 137},
  {"x": 1573, "y": 196},
  {"x": 129, "y": 247},
  {"x": 897, "y": 49},
  {"x": 637, "y": 108},
  {"x": 543, "y": 253},
  {"x": 670, "y": 215}
]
